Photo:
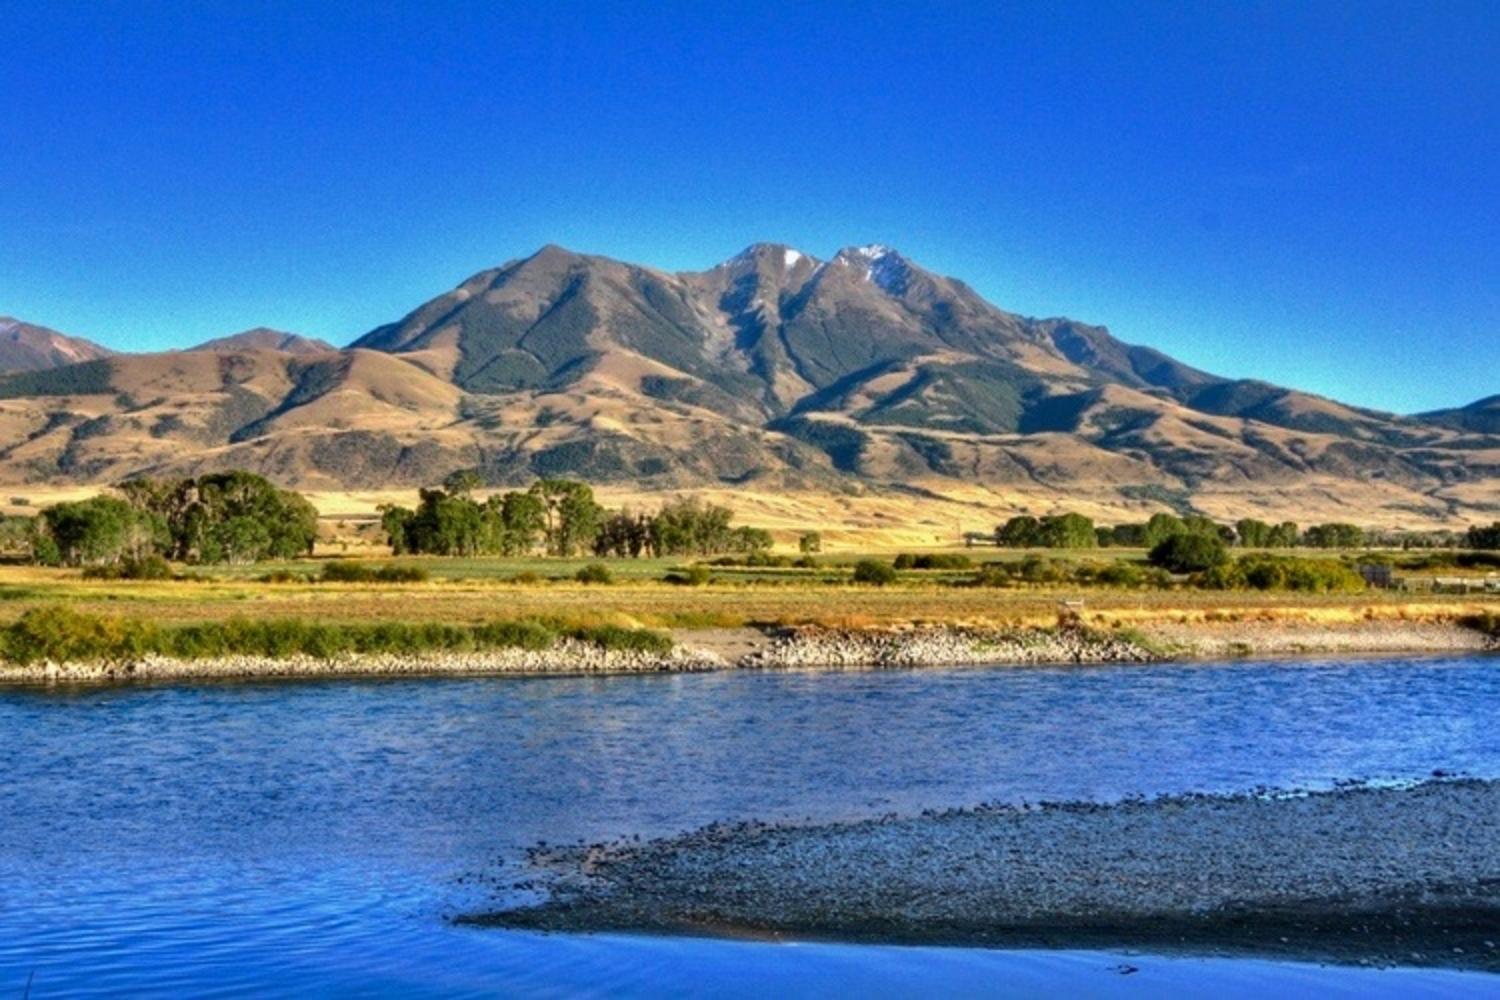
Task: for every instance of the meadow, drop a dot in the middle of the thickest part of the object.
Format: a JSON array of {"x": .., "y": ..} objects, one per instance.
[{"x": 477, "y": 590}]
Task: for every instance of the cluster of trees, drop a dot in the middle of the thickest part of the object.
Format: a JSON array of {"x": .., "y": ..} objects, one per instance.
[
  {"x": 1074, "y": 531},
  {"x": 561, "y": 518},
  {"x": 1480, "y": 537},
  {"x": 1056, "y": 531},
  {"x": 682, "y": 527},
  {"x": 231, "y": 517}
]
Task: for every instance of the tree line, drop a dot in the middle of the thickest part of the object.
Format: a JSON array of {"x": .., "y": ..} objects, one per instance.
[
  {"x": 559, "y": 517},
  {"x": 1075, "y": 531}
]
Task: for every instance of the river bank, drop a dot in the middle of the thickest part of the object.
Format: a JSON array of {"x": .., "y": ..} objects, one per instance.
[
  {"x": 813, "y": 648},
  {"x": 1365, "y": 874}
]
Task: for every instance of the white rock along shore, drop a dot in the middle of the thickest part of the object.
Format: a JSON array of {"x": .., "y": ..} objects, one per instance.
[
  {"x": 568, "y": 656},
  {"x": 1364, "y": 874},
  {"x": 809, "y": 648}
]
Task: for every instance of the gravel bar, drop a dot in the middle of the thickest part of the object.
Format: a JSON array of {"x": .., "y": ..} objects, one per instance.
[{"x": 1370, "y": 875}]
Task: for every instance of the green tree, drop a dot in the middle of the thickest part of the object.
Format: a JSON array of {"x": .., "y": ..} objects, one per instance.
[
  {"x": 810, "y": 543},
  {"x": 99, "y": 531},
  {"x": 238, "y": 539},
  {"x": 1127, "y": 536},
  {"x": 1478, "y": 537},
  {"x": 1253, "y": 534},
  {"x": 571, "y": 515},
  {"x": 523, "y": 518},
  {"x": 462, "y": 482},
  {"x": 1190, "y": 552},
  {"x": 1068, "y": 531},
  {"x": 1285, "y": 535},
  {"x": 395, "y": 521},
  {"x": 1335, "y": 535},
  {"x": 1160, "y": 527},
  {"x": 1020, "y": 532},
  {"x": 195, "y": 513}
]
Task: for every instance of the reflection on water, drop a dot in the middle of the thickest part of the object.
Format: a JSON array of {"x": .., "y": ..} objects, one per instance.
[{"x": 287, "y": 837}]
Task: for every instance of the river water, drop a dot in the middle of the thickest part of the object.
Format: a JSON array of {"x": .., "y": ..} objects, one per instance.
[{"x": 315, "y": 836}]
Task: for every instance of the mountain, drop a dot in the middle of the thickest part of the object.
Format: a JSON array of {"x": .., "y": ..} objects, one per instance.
[
  {"x": 25, "y": 347},
  {"x": 772, "y": 370},
  {"x": 265, "y": 339}
]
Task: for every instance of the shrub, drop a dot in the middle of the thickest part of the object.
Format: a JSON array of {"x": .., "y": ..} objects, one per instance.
[
  {"x": 993, "y": 575},
  {"x": 695, "y": 575},
  {"x": 1124, "y": 574},
  {"x": 810, "y": 542},
  {"x": 520, "y": 634},
  {"x": 61, "y": 634},
  {"x": 1190, "y": 552},
  {"x": 58, "y": 634},
  {"x": 1267, "y": 572},
  {"x": 594, "y": 573},
  {"x": 1035, "y": 569},
  {"x": 763, "y": 558},
  {"x": 1487, "y": 622},
  {"x": 625, "y": 640},
  {"x": 341, "y": 571},
  {"x": 283, "y": 576},
  {"x": 131, "y": 568},
  {"x": 934, "y": 560},
  {"x": 874, "y": 572}
]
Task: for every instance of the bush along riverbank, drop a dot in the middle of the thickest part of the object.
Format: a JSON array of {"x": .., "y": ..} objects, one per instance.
[{"x": 59, "y": 644}]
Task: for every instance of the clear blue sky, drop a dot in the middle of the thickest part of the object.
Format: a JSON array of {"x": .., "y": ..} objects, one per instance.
[{"x": 1301, "y": 192}]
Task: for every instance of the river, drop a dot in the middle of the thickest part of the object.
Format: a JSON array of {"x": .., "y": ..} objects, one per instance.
[{"x": 315, "y": 836}]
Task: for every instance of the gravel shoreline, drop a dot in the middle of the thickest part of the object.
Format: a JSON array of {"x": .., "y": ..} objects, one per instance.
[
  {"x": 813, "y": 648},
  {"x": 568, "y": 656},
  {"x": 1363, "y": 875}
]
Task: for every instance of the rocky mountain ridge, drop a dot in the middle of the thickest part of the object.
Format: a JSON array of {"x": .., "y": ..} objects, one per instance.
[{"x": 773, "y": 368}]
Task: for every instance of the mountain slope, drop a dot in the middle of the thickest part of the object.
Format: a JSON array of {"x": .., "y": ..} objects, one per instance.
[
  {"x": 1481, "y": 417},
  {"x": 773, "y": 368},
  {"x": 26, "y": 347}
]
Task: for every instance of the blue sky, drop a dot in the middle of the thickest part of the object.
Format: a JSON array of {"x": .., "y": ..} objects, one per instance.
[{"x": 1301, "y": 192}]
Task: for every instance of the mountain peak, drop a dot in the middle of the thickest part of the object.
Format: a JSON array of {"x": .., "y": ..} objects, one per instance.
[
  {"x": 28, "y": 347},
  {"x": 775, "y": 253},
  {"x": 881, "y": 264}
]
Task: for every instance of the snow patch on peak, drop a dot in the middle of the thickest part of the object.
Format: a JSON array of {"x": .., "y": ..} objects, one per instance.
[{"x": 789, "y": 257}]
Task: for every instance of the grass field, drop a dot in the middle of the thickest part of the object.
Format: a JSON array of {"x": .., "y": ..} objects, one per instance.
[{"x": 476, "y": 590}]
